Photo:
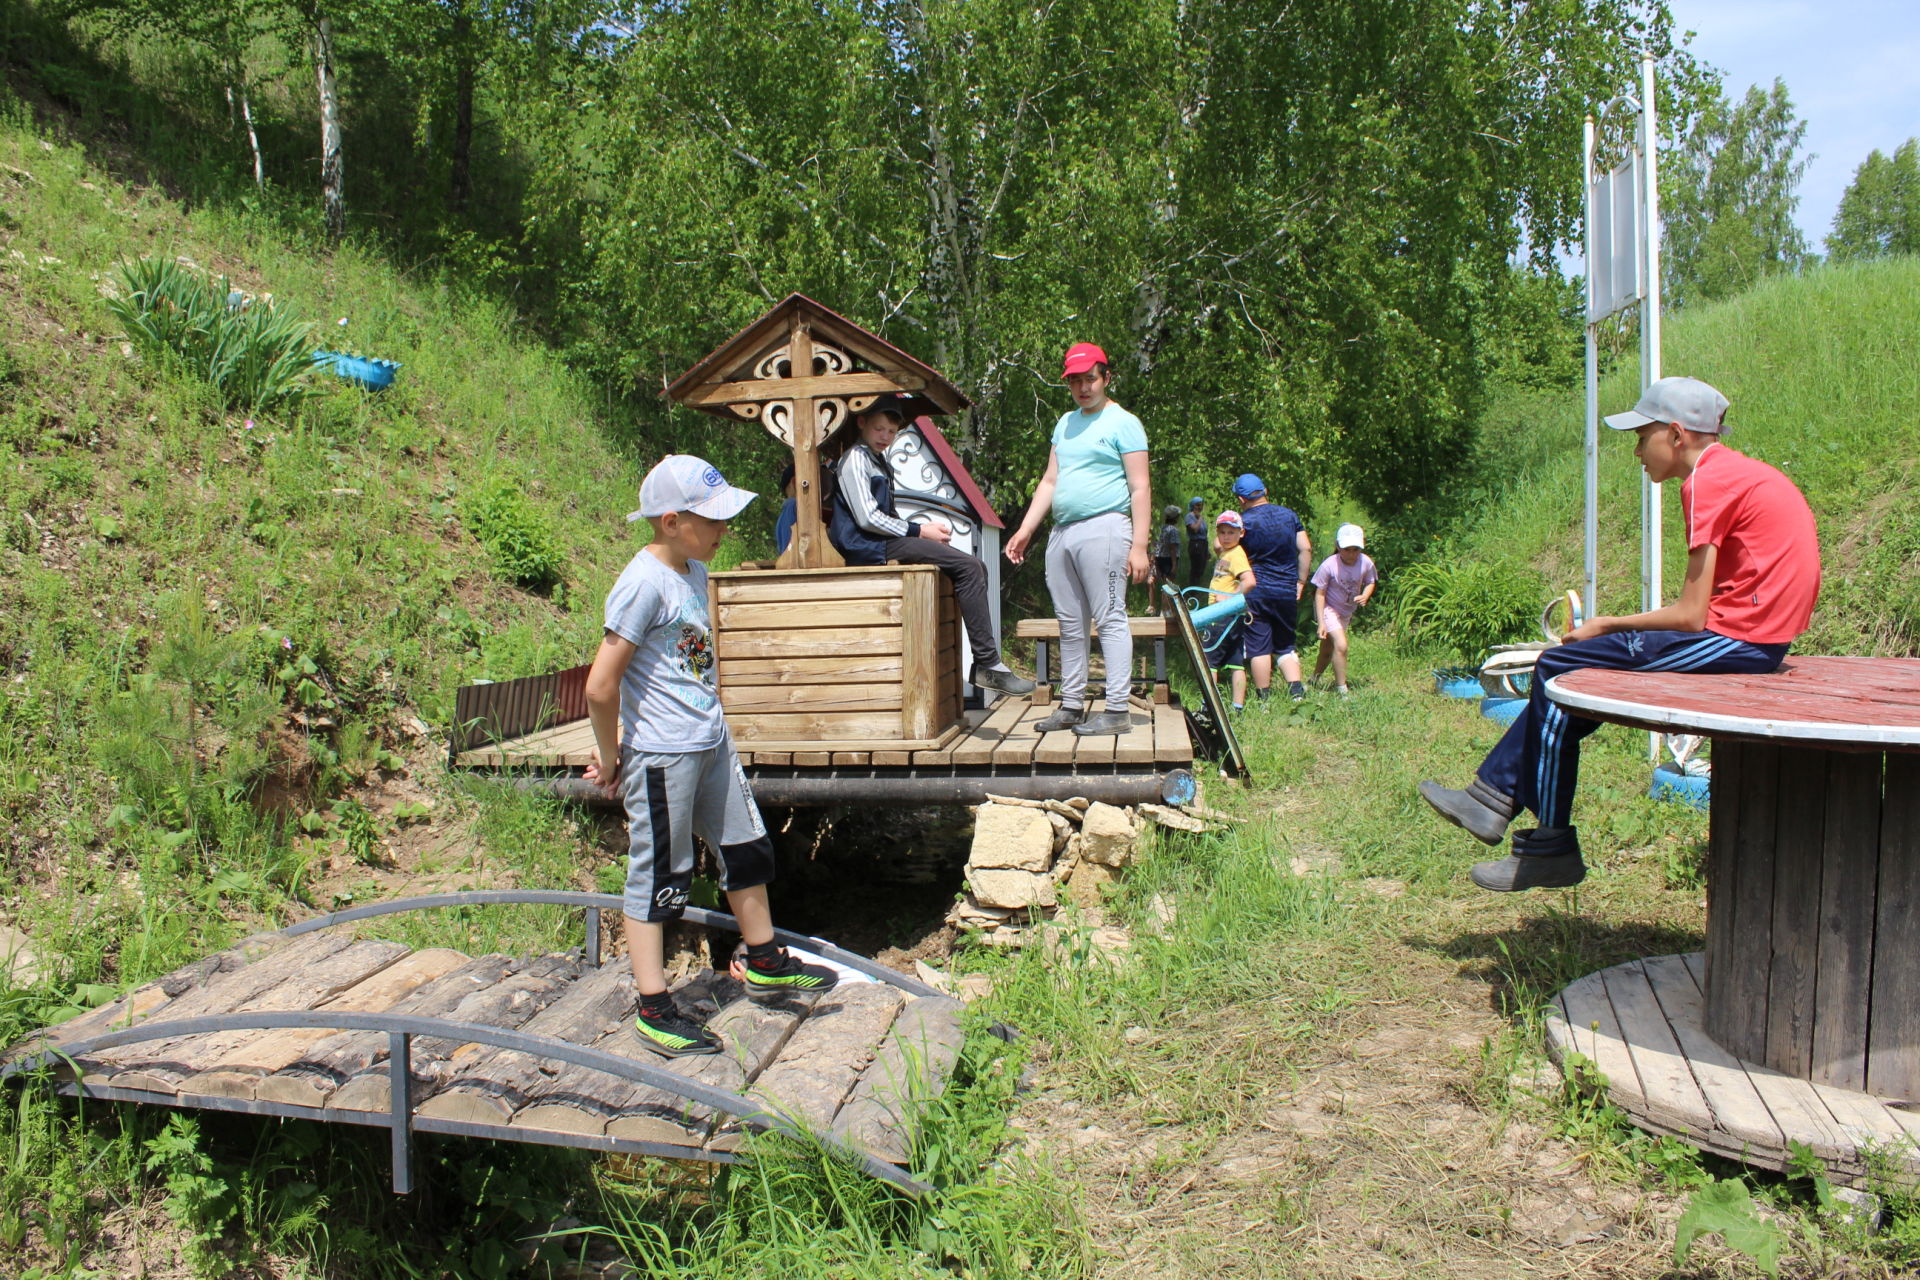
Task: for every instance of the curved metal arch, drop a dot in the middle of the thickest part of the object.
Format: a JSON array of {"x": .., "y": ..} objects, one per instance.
[{"x": 737, "y": 1105}]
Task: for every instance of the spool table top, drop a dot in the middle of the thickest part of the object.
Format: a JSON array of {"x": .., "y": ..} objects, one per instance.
[{"x": 1845, "y": 702}]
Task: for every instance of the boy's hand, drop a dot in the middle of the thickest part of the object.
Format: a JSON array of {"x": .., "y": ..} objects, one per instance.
[
  {"x": 1016, "y": 550},
  {"x": 1591, "y": 629},
  {"x": 608, "y": 780},
  {"x": 936, "y": 531}
]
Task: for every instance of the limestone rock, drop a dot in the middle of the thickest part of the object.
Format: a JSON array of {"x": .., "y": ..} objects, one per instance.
[
  {"x": 1106, "y": 836},
  {"x": 1084, "y": 890},
  {"x": 1068, "y": 859},
  {"x": 1010, "y": 837},
  {"x": 999, "y": 887},
  {"x": 1173, "y": 818},
  {"x": 1063, "y": 831},
  {"x": 1078, "y": 802},
  {"x": 972, "y": 913},
  {"x": 21, "y": 967}
]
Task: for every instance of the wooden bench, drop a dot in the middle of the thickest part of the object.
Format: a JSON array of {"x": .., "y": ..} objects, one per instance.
[{"x": 1045, "y": 633}]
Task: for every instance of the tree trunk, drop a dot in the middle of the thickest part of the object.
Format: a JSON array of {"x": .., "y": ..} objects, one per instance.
[
  {"x": 253, "y": 139},
  {"x": 332, "y": 176},
  {"x": 460, "y": 184}
]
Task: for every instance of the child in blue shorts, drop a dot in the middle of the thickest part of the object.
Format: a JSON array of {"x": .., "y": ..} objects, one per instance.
[{"x": 657, "y": 718}]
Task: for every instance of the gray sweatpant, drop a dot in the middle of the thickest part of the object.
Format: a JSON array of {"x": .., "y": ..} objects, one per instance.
[{"x": 1087, "y": 575}]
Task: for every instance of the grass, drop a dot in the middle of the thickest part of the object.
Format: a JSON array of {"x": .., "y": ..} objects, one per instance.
[{"x": 218, "y": 629}]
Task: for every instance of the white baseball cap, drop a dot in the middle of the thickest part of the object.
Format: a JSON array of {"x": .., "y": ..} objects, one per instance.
[
  {"x": 682, "y": 482},
  {"x": 1688, "y": 401},
  {"x": 1349, "y": 535}
]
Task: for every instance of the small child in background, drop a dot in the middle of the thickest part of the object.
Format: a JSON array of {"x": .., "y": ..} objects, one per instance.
[
  {"x": 1344, "y": 581},
  {"x": 1166, "y": 559},
  {"x": 1232, "y": 574}
]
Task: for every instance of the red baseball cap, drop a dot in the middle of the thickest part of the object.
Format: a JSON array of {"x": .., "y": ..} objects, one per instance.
[{"x": 1082, "y": 356}]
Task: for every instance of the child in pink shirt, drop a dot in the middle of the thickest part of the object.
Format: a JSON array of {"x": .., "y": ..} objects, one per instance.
[{"x": 1344, "y": 581}]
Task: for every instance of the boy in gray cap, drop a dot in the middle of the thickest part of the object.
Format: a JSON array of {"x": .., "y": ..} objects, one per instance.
[
  {"x": 662, "y": 746},
  {"x": 1753, "y": 573}
]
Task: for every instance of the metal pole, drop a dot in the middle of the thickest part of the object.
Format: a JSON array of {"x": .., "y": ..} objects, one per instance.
[
  {"x": 400, "y": 1108},
  {"x": 1650, "y": 330},
  {"x": 1592, "y": 445}
]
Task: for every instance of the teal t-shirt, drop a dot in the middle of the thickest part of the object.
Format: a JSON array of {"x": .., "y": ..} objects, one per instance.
[{"x": 1092, "y": 479}]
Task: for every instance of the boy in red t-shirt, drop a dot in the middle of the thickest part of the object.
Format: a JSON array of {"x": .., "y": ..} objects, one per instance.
[{"x": 1753, "y": 572}]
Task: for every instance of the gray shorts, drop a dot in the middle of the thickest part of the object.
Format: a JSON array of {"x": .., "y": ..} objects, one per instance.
[{"x": 672, "y": 797}]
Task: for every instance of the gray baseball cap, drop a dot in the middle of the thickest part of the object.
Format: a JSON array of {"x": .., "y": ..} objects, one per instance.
[
  {"x": 1688, "y": 401},
  {"x": 682, "y": 482}
]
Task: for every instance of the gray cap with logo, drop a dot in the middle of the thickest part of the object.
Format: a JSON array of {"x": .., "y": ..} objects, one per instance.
[{"x": 1688, "y": 401}]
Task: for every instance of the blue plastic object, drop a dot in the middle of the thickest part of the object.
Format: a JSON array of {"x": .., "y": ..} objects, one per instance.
[
  {"x": 370, "y": 372},
  {"x": 1457, "y": 682},
  {"x": 1502, "y": 710},
  {"x": 1231, "y": 606},
  {"x": 1681, "y": 788}
]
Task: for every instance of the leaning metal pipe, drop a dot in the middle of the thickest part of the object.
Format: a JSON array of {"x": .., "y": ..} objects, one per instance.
[{"x": 788, "y": 791}]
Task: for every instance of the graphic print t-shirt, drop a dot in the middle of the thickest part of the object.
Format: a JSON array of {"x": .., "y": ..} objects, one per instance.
[
  {"x": 1227, "y": 569},
  {"x": 667, "y": 697}
]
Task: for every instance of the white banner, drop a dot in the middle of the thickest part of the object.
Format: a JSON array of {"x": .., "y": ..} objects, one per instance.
[{"x": 1615, "y": 212}]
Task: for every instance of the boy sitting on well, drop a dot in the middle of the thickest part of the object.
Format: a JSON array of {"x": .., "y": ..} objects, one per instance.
[
  {"x": 657, "y": 719},
  {"x": 866, "y": 531},
  {"x": 1753, "y": 573}
]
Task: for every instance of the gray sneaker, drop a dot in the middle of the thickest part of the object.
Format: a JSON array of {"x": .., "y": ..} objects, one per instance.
[
  {"x": 1104, "y": 722},
  {"x": 1001, "y": 679},
  {"x": 1065, "y": 718}
]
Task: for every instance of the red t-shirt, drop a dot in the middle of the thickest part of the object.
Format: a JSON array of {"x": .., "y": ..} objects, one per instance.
[{"x": 1767, "y": 573}]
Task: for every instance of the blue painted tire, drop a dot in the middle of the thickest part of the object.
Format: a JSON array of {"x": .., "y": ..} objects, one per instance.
[
  {"x": 1681, "y": 788},
  {"x": 1457, "y": 682},
  {"x": 372, "y": 373},
  {"x": 1502, "y": 711}
]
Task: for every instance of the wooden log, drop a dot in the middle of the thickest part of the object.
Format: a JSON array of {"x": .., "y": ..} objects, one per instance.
[
  {"x": 578, "y": 1100},
  {"x": 801, "y": 615},
  {"x": 238, "y": 1073},
  {"x": 507, "y": 1004},
  {"x": 1799, "y": 840},
  {"x": 495, "y": 1083},
  {"x": 854, "y": 582},
  {"x": 853, "y": 642},
  {"x": 311, "y": 1079},
  {"x": 811, "y": 699},
  {"x": 1893, "y": 1043},
  {"x": 840, "y": 669},
  {"x": 920, "y": 628},
  {"x": 1849, "y": 865},
  {"x": 829, "y": 728},
  {"x": 816, "y": 1071},
  {"x": 910, "y": 1069},
  {"x": 160, "y": 1066}
]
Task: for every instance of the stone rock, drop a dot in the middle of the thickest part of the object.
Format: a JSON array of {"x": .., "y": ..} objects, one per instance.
[
  {"x": 1173, "y": 818},
  {"x": 1062, "y": 808},
  {"x": 1078, "y": 802},
  {"x": 972, "y": 913},
  {"x": 1017, "y": 802},
  {"x": 1012, "y": 838},
  {"x": 933, "y": 977},
  {"x": 1106, "y": 836},
  {"x": 1090, "y": 879},
  {"x": 1000, "y": 887},
  {"x": 1063, "y": 831},
  {"x": 17, "y": 960},
  {"x": 975, "y": 986}
]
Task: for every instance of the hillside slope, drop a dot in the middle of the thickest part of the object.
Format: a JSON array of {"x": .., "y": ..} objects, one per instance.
[
  {"x": 1823, "y": 371},
  {"x": 211, "y": 623}
]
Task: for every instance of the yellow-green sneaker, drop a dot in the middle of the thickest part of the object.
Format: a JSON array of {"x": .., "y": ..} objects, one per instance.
[
  {"x": 674, "y": 1035},
  {"x": 790, "y": 977}
]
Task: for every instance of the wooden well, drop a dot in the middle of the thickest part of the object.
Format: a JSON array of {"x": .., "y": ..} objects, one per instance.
[{"x": 856, "y": 659}]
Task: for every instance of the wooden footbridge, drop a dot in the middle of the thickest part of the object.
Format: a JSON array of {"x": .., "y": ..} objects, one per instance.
[{"x": 315, "y": 1023}]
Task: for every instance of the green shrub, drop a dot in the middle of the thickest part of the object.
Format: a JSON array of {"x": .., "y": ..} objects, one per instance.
[
  {"x": 522, "y": 542},
  {"x": 1467, "y": 607},
  {"x": 258, "y": 357}
]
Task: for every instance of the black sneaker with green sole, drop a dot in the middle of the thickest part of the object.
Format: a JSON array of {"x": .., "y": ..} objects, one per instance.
[
  {"x": 674, "y": 1035},
  {"x": 791, "y": 978}
]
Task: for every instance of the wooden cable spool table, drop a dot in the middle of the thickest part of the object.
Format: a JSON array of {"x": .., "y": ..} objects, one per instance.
[{"x": 1811, "y": 971}]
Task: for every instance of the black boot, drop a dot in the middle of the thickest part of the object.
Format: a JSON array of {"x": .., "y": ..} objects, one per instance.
[
  {"x": 1543, "y": 858},
  {"x": 1480, "y": 811}
]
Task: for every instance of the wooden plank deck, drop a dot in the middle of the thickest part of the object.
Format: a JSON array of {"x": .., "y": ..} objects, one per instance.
[
  {"x": 1641, "y": 1023},
  {"x": 1000, "y": 740},
  {"x": 845, "y": 1064}
]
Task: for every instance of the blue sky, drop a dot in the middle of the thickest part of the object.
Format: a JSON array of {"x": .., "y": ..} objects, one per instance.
[{"x": 1852, "y": 68}]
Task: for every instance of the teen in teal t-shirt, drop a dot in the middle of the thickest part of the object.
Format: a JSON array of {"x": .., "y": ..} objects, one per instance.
[{"x": 1093, "y": 478}]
